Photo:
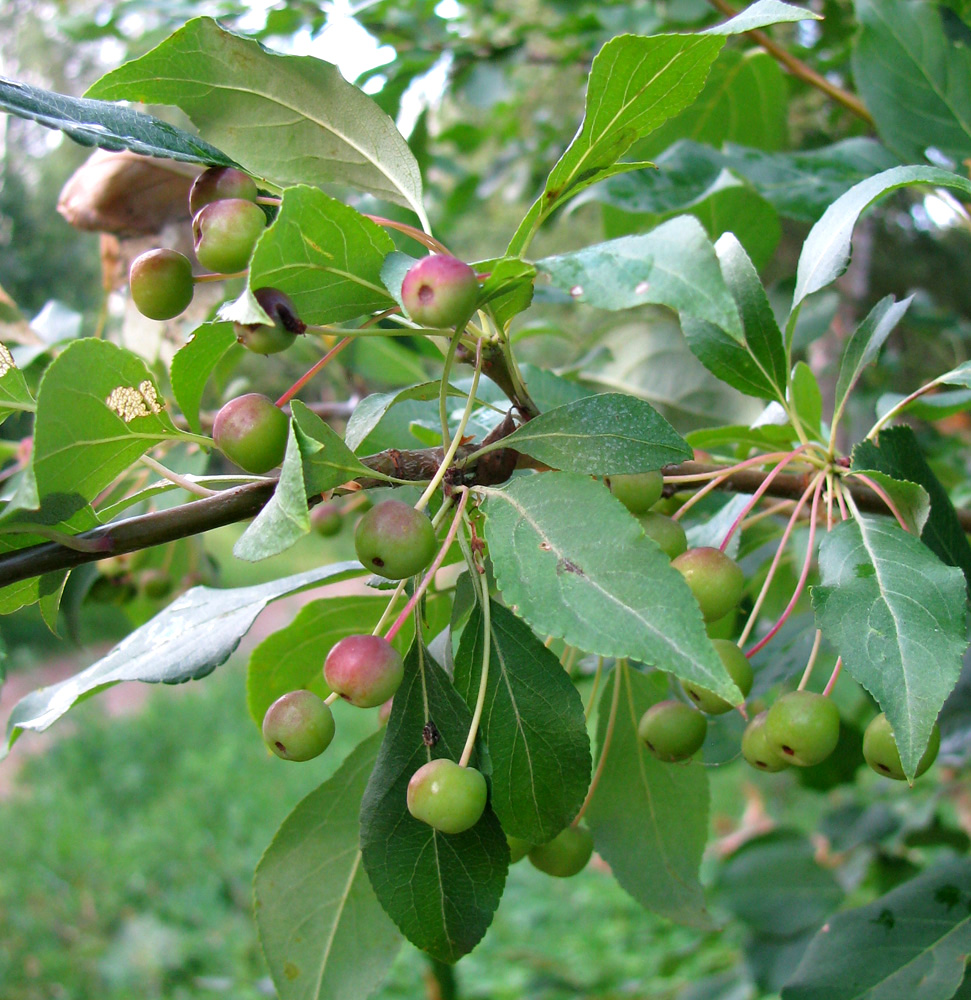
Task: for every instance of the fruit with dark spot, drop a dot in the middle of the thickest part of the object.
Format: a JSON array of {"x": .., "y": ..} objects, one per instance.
[
  {"x": 365, "y": 670},
  {"x": 263, "y": 339},
  {"x": 740, "y": 671},
  {"x": 440, "y": 291},
  {"x": 298, "y": 726},
  {"x": 394, "y": 540},
  {"x": 448, "y": 797},
  {"x": 252, "y": 432},
  {"x": 803, "y": 727},
  {"x": 756, "y": 749},
  {"x": 715, "y": 579},
  {"x": 566, "y": 854},
  {"x": 161, "y": 283},
  {"x": 881, "y": 753},
  {"x": 672, "y": 730},
  {"x": 219, "y": 183},
  {"x": 639, "y": 491},
  {"x": 225, "y": 232}
]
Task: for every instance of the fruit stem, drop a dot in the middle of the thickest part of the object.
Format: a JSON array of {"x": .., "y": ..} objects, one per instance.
[
  {"x": 593, "y": 690},
  {"x": 811, "y": 662},
  {"x": 833, "y": 677},
  {"x": 880, "y": 492},
  {"x": 619, "y": 673},
  {"x": 459, "y": 431},
  {"x": 483, "y": 591},
  {"x": 305, "y": 378},
  {"x": 173, "y": 477},
  {"x": 201, "y": 279},
  {"x": 757, "y": 495},
  {"x": 763, "y": 592},
  {"x": 387, "y": 611},
  {"x": 425, "y": 239},
  {"x": 433, "y": 569},
  {"x": 719, "y": 476},
  {"x": 874, "y": 431},
  {"x": 331, "y": 698}
]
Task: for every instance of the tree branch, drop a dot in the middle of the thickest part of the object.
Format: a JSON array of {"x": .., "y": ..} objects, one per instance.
[
  {"x": 799, "y": 69},
  {"x": 244, "y": 502}
]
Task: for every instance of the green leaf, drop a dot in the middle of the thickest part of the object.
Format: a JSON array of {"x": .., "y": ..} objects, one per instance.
[
  {"x": 910, "y": 944},
  {"x": 316, "y": 460},
  {"x": 636, "y": 83},
  {"x": 596, "y": 581},
  {"x": 807, "y": 399},
  {"x": 293, "y": 657},
  {"x": 109, "y": 126},
  {"x": 957, "y": 376},
  {"x": 607, "y": 434},
  {"x": 774, "y": 884},
  {"x": 929, "y": 407},
  {"x": 396, "y": 265},
  {"x": 323, "y": 932},
  {"x": 762, "y": 14},
  {"x": 532, "y": 724},
  {"x": 649, "y": 819},
  {"x": 895, "y": 613},
  {"x": 727, "y": 204},
  {"x": 289, "y": 119},
  {"x": 755, "y": 362},
  {"x": 15, "y": 397},
  {"x": 371, "y": 410},
  {"x": 323, "y": 254},
  {"x": 743, "y": 101},
  {"x": 508, "y": 290},
  {"x": 910, "y": 499},
  {"x": 440, "y": 889},
  {"x": 913, "y": 78},
  {"x": 674, "y": 265},
  {"x": 826, "y": 251},
  {"x": 98, "y": 411},
  {"x": 798, "y": 185},
  {"x": 193, "y": 364},
  {"x": 195, "y": 634},
  {"x": 863, "y": 346},
  {"x": 898, "y": 454}
]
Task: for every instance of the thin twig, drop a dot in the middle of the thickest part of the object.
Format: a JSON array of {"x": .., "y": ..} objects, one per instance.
[{"x": 799, "y": 69}]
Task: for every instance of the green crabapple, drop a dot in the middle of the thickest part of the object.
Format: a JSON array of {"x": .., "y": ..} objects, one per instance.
[{"x": 448, "y": 797}]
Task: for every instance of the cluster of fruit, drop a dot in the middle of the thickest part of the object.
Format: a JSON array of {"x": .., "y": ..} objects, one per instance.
[{"x": 801, "y": 728}]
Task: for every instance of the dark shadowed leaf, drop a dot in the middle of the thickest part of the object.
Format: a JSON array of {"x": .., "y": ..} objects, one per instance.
[
  {"x": 649, "y": 819},
  {"x": 532, "y": 724},
  {"x": 911, "y": 944},
  {"x": 323, "y": 932},
  {"x": 440, "y": 889}
]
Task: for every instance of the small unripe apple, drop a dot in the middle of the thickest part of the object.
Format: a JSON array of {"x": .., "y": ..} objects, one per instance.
[
  {"x": 667, "y": 532},
  {"x": 803, "y": 727},
  {"x": 365, "y": 670},
  {"x": 639, "y": 491},
  {"x": 518, "y": 848},
  {"x": 161, "y": 283},
  {"x": 394, "y": 540},
  {"x": 219, "y": 183},
  {"x": 298, "y": 726},
  {"x": 672, "y": 730},
  {"x": 448, "y": 797},
  {"x": 715, "y": 579},
  {"x": 881, "y": 752},
  {"x": 263, "y": 339},
  {"x": 225, "y": 232},
  {"x": 566, "y": 854},
  {"x": 756, "y": 749},
  {"x": 440, "y": 291},
  {"x": 252, "y": 432},
  {"x": 740, "y": 671}
]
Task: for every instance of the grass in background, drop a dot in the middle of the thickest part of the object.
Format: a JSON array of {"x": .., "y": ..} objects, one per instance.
[{"x": 128, "y": 854}]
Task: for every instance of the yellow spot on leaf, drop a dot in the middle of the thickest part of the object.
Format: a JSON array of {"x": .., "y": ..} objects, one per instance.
[
  {"x": 129, "y": 402},
  {"x": 6, "y": 361}
]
